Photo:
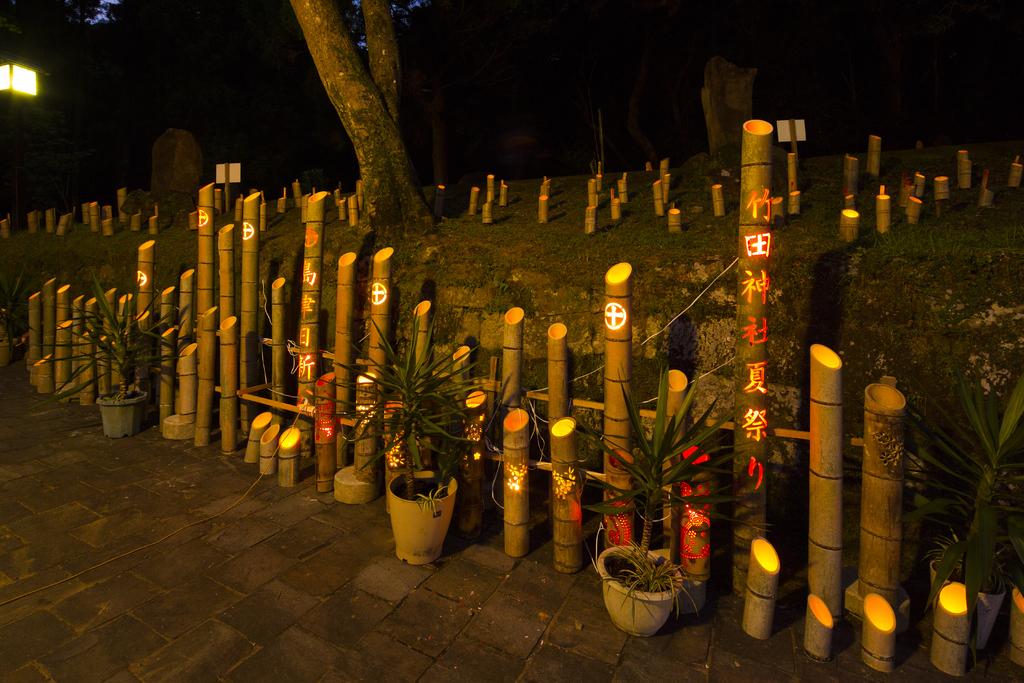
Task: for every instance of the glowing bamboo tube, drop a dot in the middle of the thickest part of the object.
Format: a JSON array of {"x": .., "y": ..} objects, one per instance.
[
  {"x": 474, "y": 198},
  {"x": 905, "y": 190},
  {"x": 825, "y": 530},
  {"x": 62, "y": 355},
  {"x": 941, "y": 193},
  {"x": 257, "y": 428},
  {"x": 881, "y": 524},
  {"x": 229, "y": 386},
  {"x": 35, "y": 332},
  {"x": 439, "y": 202},
  {"x": 380, "y": 304},
  {"x": 168, "y": 357},
  {"x": 590, "y": 220},
  {"x": 205, "y": 274},
  {"x": 352, "y": 210},
  {"x": 882, "y": 211},
  {"x": 144, "y": 275},
  {"x": 614, "y": 207},
  {"x": 849, "y": 225},
  {"x": 1013, "y": 180},
  {"x": 309, "y": 309},
  {"x": 622, "y": 185},
  {"x": 345, "y": 300},
  {"x": 542, "y": 209},
  {"x": 44, "y": 375},
  {"x": 226, "y": 271},
  {"x": 558, "y": 373},
  {"x": 503, "y": 194},
  {"x": 490, "y": 187},
  {"x": 963, "y": 170},
  {"x": 913, "y": 210},
  {"x": 268, "y": 447},
  {"x": 186, "y": 307},
  {"x": 919, "y": 181},
  {"x": 1017, "y": 628},
  {"x": 324, "y": 433},
  {"x": 153, "y": 226},
  {"x": 951, "y": 630},
  {"x": 471, "y": 467},
  {"x": 878, "y": 634},
  {"x": 675, "y": 220},
  {"x": 566, "y": 512},
  {"x": 762, "y": 584},
  {"x": 851, "y": 171},
  {"x": 618, "y": 372},
  {"x": 793, "y": 205},
  {"x": 94, "y": 217},
  {"x": 288, "y": 448},
  {"x": 516, "y": 442},
  {"x": 658, "y": 198},
  {"x": 486, "y": 214},
  {"x": 206, "y": 371},
  {"x": 360, "y": 482},
  {"x": 512, "y": 359},
  {"x": 249, "y": 342},
  {"x": 818, "y": 626},
  {"x": 279, "y": 352},
  {"x": 87, "y": 380},
  {"x": 874, "y": 155},
  {"x": 718, "y": 200}
]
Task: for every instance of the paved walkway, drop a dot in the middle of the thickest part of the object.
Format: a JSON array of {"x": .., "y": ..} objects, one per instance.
[{"x": 289, "y": 585}]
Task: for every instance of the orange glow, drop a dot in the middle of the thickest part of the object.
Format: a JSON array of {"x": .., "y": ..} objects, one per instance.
[
  {"x": 378, "y": 293},
  {"x": 204, "y": 217},
  {"x": 308, "y": 275},
  {"x": 878, "y": 611},
  {"x": 307, "y": 365},
  {"x": 765, "y": 554},
  {"x": 515, "y": 476},
  {"x": 820, "y": 610},
  {"x": 563, "y": 427},
  {"x": 475, "y": 399},
  {"x": 754, "y": 468},
  {"x": 755, "y": 422},
  {"x": 304, "y": 337},
  {"x": 756, "y": 377},
  {"x": 142, "y": 278},
  {"x": 308, "y": 303},
  {"x": 311, "y": 237},
  {"x": 759, "y": 244},
  {"x": 953, "y": 598},
  {"x": 620, "y": 527},
  {"x": 614, "y": 316},
  {"x": 694, "y": 541},
  {"x": 1018, "y": 600},
  {"x": 290, "y": 439},
  {"x": 758, "y": 200},
  {"x": 755, "y": 285},
  {"x": 247, "y": 231},
  {"x": 754, "y": 335}
]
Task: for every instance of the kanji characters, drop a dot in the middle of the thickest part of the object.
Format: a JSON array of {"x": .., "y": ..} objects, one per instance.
[
  {"x": 755, "y": 285},
  {"x": 755, "y": 422},
  {"x": 754, "y": 334},
  {"x": 758, "y": 244},
  {"x": 756, "y": 377}
]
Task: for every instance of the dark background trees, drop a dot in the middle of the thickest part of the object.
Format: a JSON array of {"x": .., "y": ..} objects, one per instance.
[{"x": 516, "y": 87}]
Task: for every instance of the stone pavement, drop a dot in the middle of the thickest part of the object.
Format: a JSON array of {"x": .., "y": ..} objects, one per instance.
[{"x": 290, "y": 585}]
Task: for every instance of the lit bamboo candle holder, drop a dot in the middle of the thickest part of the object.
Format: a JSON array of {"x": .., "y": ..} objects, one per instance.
[
  {"x": 762, "y": 584},
  {"x": 542, "y": 209},
  {"x": 365, "y": 471},
  {"x": 62, "y": 355},
  {"x": 503, "y": 194},
  {"x": 144, "y": 275},
  {"x": 516, "y": 442},
  {"x": 590, "y": 220},
  {"x": 186, "y": 307},
  {"x": 874, "y": 155},
  {"x": 226, "y": 271},
  {"x": 566, "y": 511},
  {"x": 1013, "y": 180},
  {"x": 352, "y": 205},
  {"x": 278, "y": 350},
  {"x": 791, "y": 171},
  {"x": 658, "y": 199},
  {"x": 913, "y": 210},
  {"x": 324, "y": 433},
  {"x": 249, "y": 341},
  {"x": 288, "y": 448},
  {"x": 257, "y": 428},
  {"x": 344, "y": 314},
  {"x": 614, "y": 207},
  {"x": 622, "y": 185},
  {"x": 849, "y": 225},
  {"x": 44, "y": 375},
  {"x": 666, "y": 183},
  {"x": 168, "y": 358},
  {"x": 474, "y": 198},
  {"x": 558, "y": 373},
  {"x": 675, "y": 220},
  {"x": 591, "y": 192},
  {"x": 309, "y": 307},
  {"x": 951, "y": 629},
  {"x": 818, "y": 627},
  {"x": 94, "y": 217},
  {"x": 672, "y": 514},
  {"x": 380, "y": 306},
  {"x": 599, "y": 179},
  {"x": 718, "y": 200},
  {"x": 1017, "y": 628},
  {"x": 883, "y": 215},
  {"x": 851, "y": 173},
  {"x": 439, "y": 202},
  {"x": 919, "y": 181},
  {"x": 229, "y": 386},
  {"x": 35, "y": 333},
  {"x": 941, "y": 193},
  {"x": 268, "y": 449},
  {"x": 512, "y": 359},
  {"x": 206, "y": 371},
  {"x": 153, "y": 226},
  {"x": 471, "y": 467},
  {"x": 793, "y": 206},
  {"x": 204, "y": 272},
  {"x": 486, "y": 214},
  {"x": 963, "y": 170},
  {"x": 618, "y": 372},
  {"x": 825, "y": 495},
  {"x": 878, "y": 634}
]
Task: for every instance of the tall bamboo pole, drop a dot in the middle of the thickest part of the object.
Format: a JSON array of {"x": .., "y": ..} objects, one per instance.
[
  {"x": 326, "y": 423},
  {"x": 106, "y": 371},
  {"x": 206, "y": 371},
  {"x": 874, "y": 155},
  {"x": 205, "y": 275},
  {"x": 963, "y": 170},
  {"x": 566, "y": 511},
  {"x": 168, "y": 358},
  {"x": 144, "y": 275},
  {"x": 226, "y": 272},
  {"x": 279, "y": 351},
  {"x": 677, "y": 383},
  {"x": 512, "y": 359},
  {"x": 825, "y": 530},
  {"x": 471, "y": 468},
  {"x": 516, "y": 442},
  {"x": 421, "y": 315},
  {"x": 87, "y": 380},
  {"x": 345, "y": 301},
  {"x": 618, "y": 373},
  {"x": 35, "y": 332},
  {"x": 229, "y": 386},
  {"x": 380, "y": 304},
  {"x": 181, "y": 425},
  {"x": 751, "y": 404},
  {"x": 309, "y": 309},
  {"x": 186, "y": 307},
  {"x": 558, "y": 373},
  {"x": 250, "y": 346}
]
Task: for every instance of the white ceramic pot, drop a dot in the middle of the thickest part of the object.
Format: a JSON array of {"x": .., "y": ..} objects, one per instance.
[
  {"x": 419, "y": 528},
  {"x": 637, "y": 613}
]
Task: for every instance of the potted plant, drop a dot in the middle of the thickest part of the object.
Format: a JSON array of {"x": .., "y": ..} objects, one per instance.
[
  {"x": 641, "y": 587},
  {"x": 969, "y": 475},
  {"x": 418, "y": 404},
  {"x": 13, "y": 314}
]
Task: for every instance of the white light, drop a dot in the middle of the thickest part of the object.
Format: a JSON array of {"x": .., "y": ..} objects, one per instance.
[
  {"x": 5, "y": 76},
  {"x": 23, "y": 80}
]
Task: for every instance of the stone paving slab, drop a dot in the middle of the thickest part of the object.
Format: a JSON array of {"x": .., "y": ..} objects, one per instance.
[{"x": 287, "y": 584}]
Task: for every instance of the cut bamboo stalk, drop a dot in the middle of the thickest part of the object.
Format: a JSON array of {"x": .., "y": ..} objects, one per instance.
[
  {"x": 486, "y": 214},
  {"x": 941, "y": 193},
  {"x": 257, "y": 428},
  {"x": 490, "y": 188},
  {"x": 542, "y": 209},
  {"x": 1017, "y": 628},
  {"x": 50, "y": 219},
  {"x": 94, "y": 217},
  {"x": 474, "y": 198},
  {"x": 218, "y": 201},
  {"x": 380, "y": 306},
  {"x": 622, "y": 185},
  {"x": 439, "y": 202},
  {"x": 951, "y": 628},
  {"x": 238, "y": 209},
  {"x": 268, "y": 449},
  {"x": 717, "y": 200},
  {"x": 78, "y": 349},
  {"x": 304, "y": 208},
  {"x": 851, "y": 173},
  {"x": 87, "y": 380},
  {"x": 658, "y": 198},
  {"x": 663, "y": 167},
  {"x": 793, "y": 207},
  {"x": 849, "y": 201},
  {"x": 672, "y": 514},
  {"x": 63, "y": 224},
  {"x": 229, "y": 386},
  {"x": 503, "y": 194},
  {"x": 49, "y": 317},
  {"x": 913, "y": 210},
  {"x": 882, "y": 211},
  {"x": 296, "y": 192},
  {"x": 590, "y": 220},
  {"x": 365, "y": 468},
  {"x": 421, "y": 344},
  {"x": 986, "y": 195},
  {"x": 226, "y": 271},
  {"x": 1013, "y": 180},
  {"x": 345, "y": 300},
  {"x": 618, "y": 372},
  {"x": 352, "y": 206},
  {"x": 5, "y": 228},
  {"x": 874, "y": 155},
  {"x": 32, "y": 219},
  {"x": 905, "y": 190},
  {"x": 675, "y": 220},
  {"x": 791, "y": 171},
  {"x": 249, "y": 341},
  {"x": 63, "y": 311},
  {"x": 512, "y": 359},
  {"x": 818, "y": 627},
  {"x": 44, "y": 375},
  {"x": 599, "y": 179},
  {"x": 762, "y": 584},
  {"x": 107, "y": 226},
  {"x": 206, "y": 371},
  {"x": 62, "y": 355},
  {"x": 107, "y": 378},
  {"x": 469, "y": 519},
  {"x": 558, "y": 373},
  {"x": 516, "y": 442},
  {"x": 144, "y": 275},
  {"x": 324, "y": 435},
  {"x": 35, "y": 331},
  {"x": 666, "y": 184},
  {"x": 205, "y": 273},
  {"x": 288, "y": 448},
  {"x": 279, "y": 351},
  {"x": 963, "y": 170},
  {"x": 545, "y": 186},
  {"x": 591, "y": 192},
  {"x": 282, "y": 207},
  {"x": 186, "y": 307},
  {"x": 168, "y": 309},
  {"x": 825, "y": 495},
  {"x": 135, "y": 222},
  {"x": 878, "y": 634},
  {"x": 849, "y": 225},
  {"x": 168, "y": 358},
  {"x": 263, "y": 214},
  {"x": 153, "y": 226},
  {"x": 309, "y": 311},
  {"x": 566, "y": 511},
  {"x": 919, "y": 181},
  {"x": 615, "y": 208}
]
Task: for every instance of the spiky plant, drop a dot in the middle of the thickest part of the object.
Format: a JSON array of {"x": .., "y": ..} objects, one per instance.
[{"x": 13, "y": 308}]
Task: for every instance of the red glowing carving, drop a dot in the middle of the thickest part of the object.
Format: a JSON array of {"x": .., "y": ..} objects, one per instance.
[
  {"x": 755, "y": 467},
  {"x": 204, "y": 218},
  {"x": 308, "y": 303},
  {"x": 756, "y": 377},
  {"x": 308, "y": 275},
  {"x": 311, "y": 237},
  {"x": 755, "y": 285},
  {"x": 755, "y": 422},
  {"x": 378, "y": 293},
  {"x": 758, "y": 200},
  {"x": 753, "y": 334},
  {"x": 614, "y": 316},
  {"x": 307, "y": 365},
  {"x": 758, "y": 244}
]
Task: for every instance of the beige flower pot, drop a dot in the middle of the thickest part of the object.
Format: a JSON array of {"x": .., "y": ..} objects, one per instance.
[
  {"x": 418, "y": 527},
  {"x": 637, "y": 613}
]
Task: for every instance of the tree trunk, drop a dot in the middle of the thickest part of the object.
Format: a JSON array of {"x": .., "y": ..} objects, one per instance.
[
  {"x": 394, "y": 201},
  {"x": 382, "y": 48},
  {"x": 635, "y": 96}
]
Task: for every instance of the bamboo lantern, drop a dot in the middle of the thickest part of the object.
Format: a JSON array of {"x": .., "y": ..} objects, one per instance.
[
  {"x": 218, "y": 201},
  {"x": 516, "y": 442},
  {"x": 229, "y": 386},
  {"x": 297, "y": 192},
  {"x": 986, "y": 195},
  {"x": 345, "y": 300},
  {"x": 666, "y": 183},
  {"x": 249, "y": 341},
  {"x": 471, "y": 467},
  {"x": 599, "y": 179},
  {"x": 919, "y": 181},
  {"x": 963, "y": 170},
  {"x": 352, "y": 206},
  {"x": 512, "y": 359},
  {"x": 818, "y": 626},
  {"x": 279, "y": 351},
  {"x": 882, "y": 211},
  {"x": 49, "y": 317},
  {"x": 439, "y": 202},
  {"x": 167, "y": 308},
  {"x": 672, "y": 515},
  {"x": 168, "y": 357},
  {"x": 62, "y": 355},
  {"x": 288, "y": 448},
  {"x": 941, "y": 193},
  {"x": 135, "y": 221},
  {"x": 951, "y": 628},
  {"x": 108, "y": 227},
  {"x": 206, "y": 371},
  {"x": 205, "y": 274},
  {"x": 257, "y": 428},
  {"x": 849, "y": 201},
  {"x": 591, "y": 192},
  {"x": 87, "y": 380},
  {"x": 1017, "y": 628},
  {"x": 380, "y": 304},
  {"x": 153, "y": 227},
  {"x": 793, "y": 207},
  {"x": 878, "y": 634},
  {"x": 874, "y": 155},
  {"x": 50, "y": 218},
  {"x": 905, "y": 190},
  {"x": 913, "y": 210},
  {"x": 590, "y": 220},
  {"x": 309, "y": 311},
  {"x": 542, "y": 209},
  {"x": 659, "y": 201},
  {"x": 94, "y": 217},
  {"x": 282, "y": 207},
  {"x": 881, "y": 526},
  {"x": 44, "y": 375},
  {"x": 32, "y": 218},
  {"x": 490, "y": 188},
  {"x": 615, "y": 207},
  {"x": 622, "y": 185},
  {"x": 618, "y": 372},
  {"x": 762, "y": 584},
  {"x": 324, "y": 433},
  {"x": 144, "y": 275},
  {"x": 503, "y": 194},
  {"x": 421, "y": 344},
  {"x": 1013, "y": 180},
  {"x": 675, "y": 220},
  {"x": 360, "y": 482},
  {"x": 718, "y": 200},
  {"x": 186, "y": 310},
  {"x": 849, "y": 224},
  {"x": 825, "y": 521},
  {"x": 851, "y": 171},
  {"x": 474, "y": 198},
  {"x": 751, "y": 406},
  {"x": 558, "y": 373},
  {"x": 226, "y": 269},
  {"x": 566, "y": 511},
  {"x": 268, "y": 449},
  {"x": 35, "y": 331},
  {"x": 486, "y": 214}
]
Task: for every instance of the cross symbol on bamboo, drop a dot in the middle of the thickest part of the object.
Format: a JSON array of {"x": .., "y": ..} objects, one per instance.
[
  {"x": 614, "y": 316},
  {"x": 378, "y": 294}
]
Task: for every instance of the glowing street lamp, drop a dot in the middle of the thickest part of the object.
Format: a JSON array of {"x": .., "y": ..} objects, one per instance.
[{"x": 17, "y": 79}]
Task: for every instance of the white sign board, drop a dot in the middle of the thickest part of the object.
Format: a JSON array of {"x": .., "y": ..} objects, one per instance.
[
  {"x": 783, "y": 129},
  {"x": 229, "y": 173}
]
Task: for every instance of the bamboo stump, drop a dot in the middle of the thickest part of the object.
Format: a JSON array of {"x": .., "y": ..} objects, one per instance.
[
  {"x": 941, "y": 193},
  {"x": 851, "y": 171},
  {"x": 558, "y": 373},
  {"x": 675, "y": 220},
  {"x": 288, "y": 448},
  {"x": 516, "y": 442},
  {"x": 761, "y": 587},
  {"x": 951, "y": 629},
  {"x": 913, "y": 210},
  {"x": 256, "y": 430},
  {"x": 963, "y": 170},
  {"x": 229, "y": 386},
  {"x": 206, "y": 371},
  {"x": 542, "y": 209},
  {"x": 345, "y": 304},
  {"x": 250, "y": 348},
  {"x": 566, "y": 486},
  {"x": 62, "y": 356},
  {"x": 658, "y": 199},
  {"x": 324, "y": 433},
  {"x": 618, "y": 372},
  {"x": 874, "y": 155},
  {"x": 883, "y": 205},
  {"x": 49, "y": 317},
  {"x": 474, "y": 199},
  {"x": 360, "y": 482},
  {"x": 622, "y": 185},
  {"x": 186, "y": 307},
  {"x": 44, "y": 375},
  {"x": 818, "y": 626},
  {"x": 168, "y": 358},
  {"x": 1013, "y": 180},
  {"x": 718, "y": 200},
  {"x": 268, "y": 449},
  {"x": 590, "y": 220},
  {"x": 919, "y": 181},
  {"x": 205, "y": 272},
  {"x": 849, "y": 225},
  {"x": 878, "y": 634}
]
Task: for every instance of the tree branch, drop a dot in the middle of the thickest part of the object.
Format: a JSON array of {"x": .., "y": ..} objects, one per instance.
[{"x": 382, "y": 47}]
